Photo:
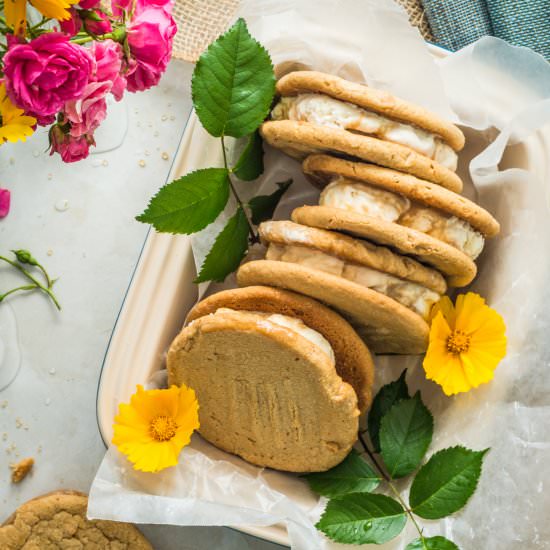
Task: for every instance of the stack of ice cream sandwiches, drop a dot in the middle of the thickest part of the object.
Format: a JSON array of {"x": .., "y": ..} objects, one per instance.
[
  {"x": 390, "y": 233},
  {"x": 282, "y": 366}
]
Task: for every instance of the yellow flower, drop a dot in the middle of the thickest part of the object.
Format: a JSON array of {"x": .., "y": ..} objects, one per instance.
[
  {"x": 15, "y": 11},
  {"x": 467, "y": 341},
  {"x": 14, "y": 125},
  {"x": 155, "y": 426}
]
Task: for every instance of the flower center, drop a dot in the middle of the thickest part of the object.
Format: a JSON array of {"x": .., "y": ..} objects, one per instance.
[
  {"x": 458, "y": 342},
  {"x": 162, "y": 428}
]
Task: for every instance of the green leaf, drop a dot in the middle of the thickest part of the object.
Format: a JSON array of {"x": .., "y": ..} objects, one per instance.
[
  {"x": 405, "y": 434},
  {"x": 362, "y": 518},
  {"x": 233, "y": 84},
  {"x": 262, "y": 207},
  {"x": 432, "y": 543},
  {"x": 382, "y": 403},
  {"x": 251, "y": 162},
  {"x": 353, "y": 475},
  {"x": 446, "y": 482},
  {"x": 228, "y": 250},
  {"x": 189, "y": 203}
]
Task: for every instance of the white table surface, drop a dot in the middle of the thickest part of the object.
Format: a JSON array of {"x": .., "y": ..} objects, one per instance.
[{"x": 49, "y": 411}]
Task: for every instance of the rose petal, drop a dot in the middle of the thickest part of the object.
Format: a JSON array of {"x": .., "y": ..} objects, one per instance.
[{"x": 5, "y": 199}]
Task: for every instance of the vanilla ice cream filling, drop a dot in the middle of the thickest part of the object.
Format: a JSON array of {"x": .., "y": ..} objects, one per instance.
[
  {"x": 416, "y": 297},
  {"x": 392, "y": 207},
  {"x": 293, "y": 324},
  {"x": 326, "y": 111}
]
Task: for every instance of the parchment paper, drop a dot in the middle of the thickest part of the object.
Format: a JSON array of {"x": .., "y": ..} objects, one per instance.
[{"x": 501, "y": 94}]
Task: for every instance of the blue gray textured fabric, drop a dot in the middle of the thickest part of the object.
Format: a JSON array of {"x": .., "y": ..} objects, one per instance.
[{"x": 457, "y": 23}]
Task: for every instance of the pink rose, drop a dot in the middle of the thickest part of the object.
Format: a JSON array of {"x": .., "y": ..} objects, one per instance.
[
  {"x": 71, "y": 149},
  {"x": 118, "y": 6},
  {"x": 150, "y": 37},
  {"x": 80, "y": 117},
  {"x": 166, "y": 4},
  {"x": 5, "y": 199},
  {"x": 86, "y": 113},
  {"x": 102, "y": 26},
  {"x": 108, "y": 63},
  {"x": 42, "y": 75},
  {"x": 73, "y": 25},
  {"x": 89, "y": 4}
]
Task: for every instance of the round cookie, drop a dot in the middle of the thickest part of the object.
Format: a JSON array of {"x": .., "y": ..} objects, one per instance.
[
  {"x": 321, "y": 169},
  {"x": 384, "y": 324},
  {"x": 58, "y": 520},
  {"x": 299, "y": 82},
  {"x": 266, "y": 393},
  {"x": 457, "y": 267},
  {"x": 357, "y": 251},
  {"x": 299, "y": 139},
  {"x": 353, "y": 359}
]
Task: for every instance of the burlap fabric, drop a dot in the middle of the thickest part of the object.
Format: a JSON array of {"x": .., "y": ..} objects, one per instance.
[{"x": 201, "y": 21}]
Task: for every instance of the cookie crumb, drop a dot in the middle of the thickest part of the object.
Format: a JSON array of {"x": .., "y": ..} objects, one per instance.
[{"x": 20, "y": 470}]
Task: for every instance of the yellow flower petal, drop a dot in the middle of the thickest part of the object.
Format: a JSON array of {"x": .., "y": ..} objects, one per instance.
[
  {"x": 440, "y": 328},
  {"x": 15, "y": 13},
  {"x": 470, "y": 310},
  {"x": 153, "y": 428},
  {"x": 54, "y": 9},
  {"x": 445, "y": 306},
  {"x": 14, "y": 124},
  {"x": 477, "y": 369},
  {"x": 467, "y": 342}
]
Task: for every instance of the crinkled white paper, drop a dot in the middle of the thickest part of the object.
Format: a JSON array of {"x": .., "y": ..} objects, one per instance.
[{"x": 502, "y": 94}]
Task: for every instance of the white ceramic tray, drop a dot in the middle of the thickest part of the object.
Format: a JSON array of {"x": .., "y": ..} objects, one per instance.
[{"x": 162, "y": 291}]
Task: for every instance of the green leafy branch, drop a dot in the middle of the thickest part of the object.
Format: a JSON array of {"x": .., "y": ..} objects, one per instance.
[
  {"x": 233, "y": 86},
  {"x": 23, "y": 258},
  {"x": 400, "y": 429}
]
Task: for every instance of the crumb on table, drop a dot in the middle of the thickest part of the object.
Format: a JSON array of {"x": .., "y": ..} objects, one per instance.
[{"x": 20, "y": 470}]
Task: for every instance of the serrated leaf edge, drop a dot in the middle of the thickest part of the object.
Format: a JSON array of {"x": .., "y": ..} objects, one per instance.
[
  {"x": 417, "y": 396},
  {"x": 422, "y": 538},
  {"x": 403, "y": 376},
  {"x": 243, "y": 157},
  {"x": 201, "y": 61},
  {"x": 142, "y": 217},
  {"x": 403, "y": 513},
  {"x": 474, "y": 487},
  {"x": 198, "y": 278},
  {"x": 307, "y": 478}
]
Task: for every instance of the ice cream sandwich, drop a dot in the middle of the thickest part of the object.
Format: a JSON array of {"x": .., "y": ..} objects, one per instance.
[
  {"x": 279, "y": 377},
  {"x": 386, "y": 297},
  {"x": 318, "y": 112},
  {"x": 413, "y": 216}
]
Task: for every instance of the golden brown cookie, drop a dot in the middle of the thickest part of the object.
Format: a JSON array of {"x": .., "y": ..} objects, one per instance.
[
  {"x": 58, "y": 520},
  {"x": 299, "y": 139},
  {"x": 353, "y": 360},
  {"x": 379, "y": 101},
  {"x": 266, "y": 392},
  {"x": 384, "y": 324},
  {"x": 321, "y": 169},
  {"x": 457, "y": 267}
]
